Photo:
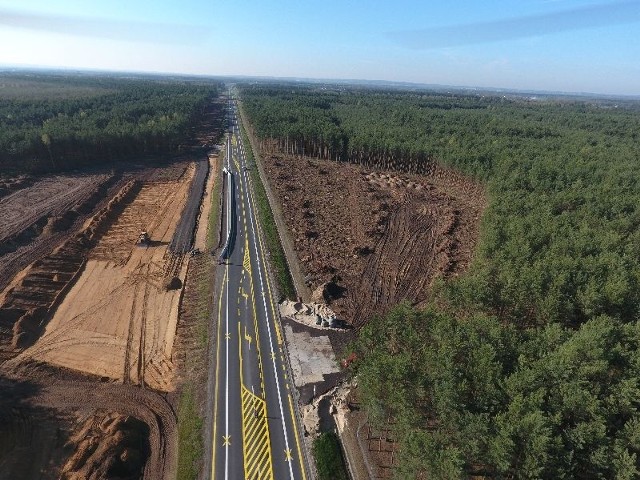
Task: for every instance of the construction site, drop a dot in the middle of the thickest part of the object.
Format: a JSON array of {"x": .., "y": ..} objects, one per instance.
[{"x": 92, "y": 271}]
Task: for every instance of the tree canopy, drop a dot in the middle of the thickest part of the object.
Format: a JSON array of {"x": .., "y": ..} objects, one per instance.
[
  {"x": 83, "y": 120},
  {"x": 527, "y": 365}
]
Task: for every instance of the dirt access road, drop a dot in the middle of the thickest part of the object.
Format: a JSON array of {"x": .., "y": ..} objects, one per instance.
[{"x": 119, "y": 319}]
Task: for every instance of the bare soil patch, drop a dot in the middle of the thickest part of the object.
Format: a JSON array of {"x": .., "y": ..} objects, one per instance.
[
  {"x": 43, "y": 214},
  {"x": 99, "y": 311},
  {"x": 370, "y": 239},
  {"x": 119, "y": 318}
]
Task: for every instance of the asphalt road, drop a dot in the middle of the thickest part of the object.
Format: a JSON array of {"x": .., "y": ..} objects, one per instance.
[{"x": 255, "y": 431}]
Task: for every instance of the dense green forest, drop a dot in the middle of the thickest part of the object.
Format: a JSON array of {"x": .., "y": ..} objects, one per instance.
[
  {"x": 49, "y": 122},
  {"x": 527, "y": 368}
]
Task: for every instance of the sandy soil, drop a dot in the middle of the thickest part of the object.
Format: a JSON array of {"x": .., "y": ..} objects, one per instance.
[
  {"x": 37, "y": 218},
  {"x": 119, "y": 320}
]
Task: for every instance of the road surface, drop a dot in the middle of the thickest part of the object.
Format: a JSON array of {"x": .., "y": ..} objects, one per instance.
[{"x": 255, "y": 429}]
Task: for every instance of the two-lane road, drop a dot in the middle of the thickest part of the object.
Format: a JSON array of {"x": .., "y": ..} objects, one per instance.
[{"x": 255, "y": 431}]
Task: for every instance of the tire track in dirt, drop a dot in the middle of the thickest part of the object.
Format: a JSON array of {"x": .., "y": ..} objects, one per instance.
[
  {"x": 368, "y": 238},
  {"x": 146, "y": 405}
]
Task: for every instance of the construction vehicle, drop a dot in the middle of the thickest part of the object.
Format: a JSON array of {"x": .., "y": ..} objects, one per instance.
[{"x": 143, "y": 239}]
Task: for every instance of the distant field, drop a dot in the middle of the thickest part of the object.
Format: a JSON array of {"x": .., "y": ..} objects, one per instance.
[{"x": 12, "y": 87}]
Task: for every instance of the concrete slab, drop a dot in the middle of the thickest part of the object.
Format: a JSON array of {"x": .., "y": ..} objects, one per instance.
[{"x": 312, "y": 357}]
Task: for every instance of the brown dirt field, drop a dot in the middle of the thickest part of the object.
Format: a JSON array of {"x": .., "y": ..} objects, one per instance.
[
  {"x": 119, "y": 320},
  {"x": 43, "y": 411},
  {"x": 370, "y": 239},
  {"x": 37, "y": 218},
  {"x": 51, "y": 196},
  {"x": 28, "y": 300}
]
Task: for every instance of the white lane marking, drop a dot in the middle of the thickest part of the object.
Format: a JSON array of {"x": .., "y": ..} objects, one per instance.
[
  {"x": 266, "y": 310},
  {"x": 226, "y": 415}
]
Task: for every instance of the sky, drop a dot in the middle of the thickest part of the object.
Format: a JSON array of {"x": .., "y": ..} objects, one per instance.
[{"x": 552, "y": 45}]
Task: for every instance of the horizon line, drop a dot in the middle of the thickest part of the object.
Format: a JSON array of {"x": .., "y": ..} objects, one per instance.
[{"x": 348, "y": 81}]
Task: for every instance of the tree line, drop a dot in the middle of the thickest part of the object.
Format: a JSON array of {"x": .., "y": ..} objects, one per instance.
[
  {"x": 527, "y": 366},
  {"x": 116, "y": 118}
]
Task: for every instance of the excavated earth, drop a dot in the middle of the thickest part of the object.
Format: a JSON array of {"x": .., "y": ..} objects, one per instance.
[
  {"x": 87, "y": 328},
  {"x": 369, "y": 239}
]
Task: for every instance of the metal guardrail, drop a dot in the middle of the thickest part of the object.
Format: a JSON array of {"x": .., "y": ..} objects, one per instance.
[{"x": 231, "y": 217}]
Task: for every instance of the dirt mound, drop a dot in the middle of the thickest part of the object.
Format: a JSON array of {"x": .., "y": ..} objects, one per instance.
[
  {"x": 328, "y": 291},
  {"x": 370, "y": 239},
  {"x": 28, "y": 327},
  {"x": 108, "y": 446},
  {"x": 60, "y": 223}
]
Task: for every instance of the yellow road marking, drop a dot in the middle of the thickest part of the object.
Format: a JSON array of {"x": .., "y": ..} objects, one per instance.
[
  {"x": 295, "y": 431},
  {"x": 287, "y": 455},
  {"x": 255, "y": 437},
  {"x": 215, "y": 408},
  {"x": 246, "y": 261},
  {"x": 256, "y": 444},
  {"x": 226, "y": 440}
]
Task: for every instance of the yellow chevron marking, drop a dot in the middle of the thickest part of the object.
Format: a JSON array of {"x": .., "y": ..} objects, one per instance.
[
  {"x": 256, "y": 445},
  {"x": 246, "y": 261}
]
